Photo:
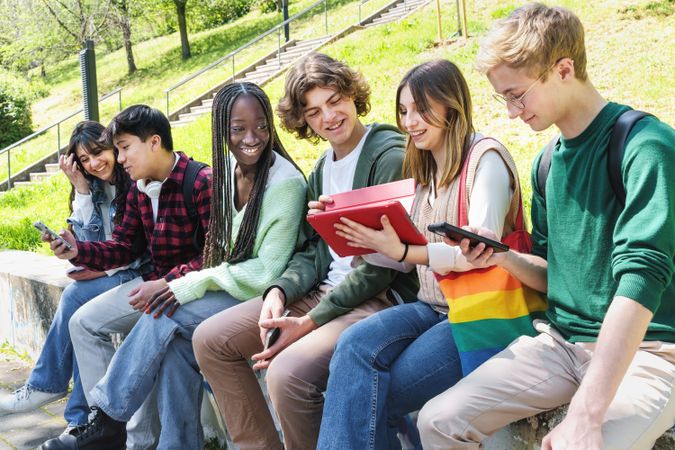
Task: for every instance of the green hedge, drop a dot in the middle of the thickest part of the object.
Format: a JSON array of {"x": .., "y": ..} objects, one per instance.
[{"x": 15, "y": 113}]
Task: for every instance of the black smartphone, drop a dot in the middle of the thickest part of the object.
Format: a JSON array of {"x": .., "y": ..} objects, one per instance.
[
  {"x": 457, "y": 234},
  {"x": 273, "y": 333}
]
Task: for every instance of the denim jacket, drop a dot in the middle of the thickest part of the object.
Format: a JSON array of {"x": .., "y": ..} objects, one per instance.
[{"x": 93, "y": 230}]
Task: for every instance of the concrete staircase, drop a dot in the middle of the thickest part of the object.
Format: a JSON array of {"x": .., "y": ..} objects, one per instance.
[
  {"x": 399, "y": 11},
  {"x": 259, "y": 73},
  {"x": 276, "y": 63},
  {"x": 51, "y": 169}
]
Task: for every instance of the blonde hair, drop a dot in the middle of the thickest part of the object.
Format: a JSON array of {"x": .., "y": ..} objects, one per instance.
[
  {"x": 441, "y": 81},
  {"x": 319, "y": 70},
  {"x": 535, "y": 37}
]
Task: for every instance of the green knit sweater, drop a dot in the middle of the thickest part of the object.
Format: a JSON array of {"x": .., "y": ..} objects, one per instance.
[
  {"x": 596, "y": 249},
  {"x": 277, "y": 235}
]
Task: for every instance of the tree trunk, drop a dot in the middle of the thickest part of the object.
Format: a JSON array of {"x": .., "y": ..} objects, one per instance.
[
  {"x": 126, "y": 34},
  {"x": 184, "y": 43}
]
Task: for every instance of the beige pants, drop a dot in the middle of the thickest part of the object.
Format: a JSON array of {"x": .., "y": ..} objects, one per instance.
[
  {"x": 539, "y": 374},
  {"x": 295, "y": 379}
]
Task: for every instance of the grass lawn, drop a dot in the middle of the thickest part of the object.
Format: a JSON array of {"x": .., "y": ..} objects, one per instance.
[{"x": 628, "y": 62}]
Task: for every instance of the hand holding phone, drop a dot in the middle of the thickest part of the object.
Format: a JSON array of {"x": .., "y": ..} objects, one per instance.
[
  {"x": 44, "y": 229},
  {"x": 273, "y": 333},
  {"x": 457, "y": 234}
]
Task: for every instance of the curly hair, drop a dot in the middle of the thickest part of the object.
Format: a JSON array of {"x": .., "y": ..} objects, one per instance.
[{"x": 319, "y": 70}]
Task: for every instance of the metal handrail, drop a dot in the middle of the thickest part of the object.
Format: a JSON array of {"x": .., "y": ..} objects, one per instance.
[
  {"x": 9, "y": 148},
  {"x": 233, "y": 53},
  {"x": 361, "y": 3}
]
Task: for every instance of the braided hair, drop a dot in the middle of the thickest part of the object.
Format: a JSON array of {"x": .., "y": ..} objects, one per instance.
[
  {"x": 88, "y": 136},
  {"x": 219, "y": 246}
]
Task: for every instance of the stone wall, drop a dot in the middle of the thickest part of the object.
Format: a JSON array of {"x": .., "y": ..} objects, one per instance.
[
  {"x": 30, "y": 288},
  {"x": 527, "y": 434}
]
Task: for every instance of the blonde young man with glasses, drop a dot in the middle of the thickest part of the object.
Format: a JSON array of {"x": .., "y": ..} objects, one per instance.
[{"x": 608, "y": 345}]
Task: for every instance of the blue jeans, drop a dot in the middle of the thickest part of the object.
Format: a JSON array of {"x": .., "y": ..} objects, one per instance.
[
  {"x": 56, "y": 364},
  {"x": 384, "y": 367},
  {"x": 160, "y": 351}
]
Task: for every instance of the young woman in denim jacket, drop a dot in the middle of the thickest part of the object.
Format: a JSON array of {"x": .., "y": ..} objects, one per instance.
[{"x": 99, "y": 188}]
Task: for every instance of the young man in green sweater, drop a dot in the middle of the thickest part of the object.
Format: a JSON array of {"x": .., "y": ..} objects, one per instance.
[
  {"x": 324, "y": 292},
  {"x": 608, "y": 345}
]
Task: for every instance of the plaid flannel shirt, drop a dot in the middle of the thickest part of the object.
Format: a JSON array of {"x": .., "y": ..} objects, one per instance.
[{"x": 169, "y": 241}]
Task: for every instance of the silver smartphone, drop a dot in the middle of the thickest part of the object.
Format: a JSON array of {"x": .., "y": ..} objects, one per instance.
[{"x": 42, "y": 228}]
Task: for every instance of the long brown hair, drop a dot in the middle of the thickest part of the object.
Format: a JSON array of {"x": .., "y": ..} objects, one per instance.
[
  {"x": 219, "y": 247},
  {"x": 443, "y": 82},
  {"x": 88, "y": 136}
]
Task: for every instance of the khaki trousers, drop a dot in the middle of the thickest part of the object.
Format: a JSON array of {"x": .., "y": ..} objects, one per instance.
[
  {"x": 538, "y": 374},
  {"x": 296, "y": 378}
]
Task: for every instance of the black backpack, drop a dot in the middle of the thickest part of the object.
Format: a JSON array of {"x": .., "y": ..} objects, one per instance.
[
  {"x": 617, "y": 145},
  {"x": 191, "y": 171}
]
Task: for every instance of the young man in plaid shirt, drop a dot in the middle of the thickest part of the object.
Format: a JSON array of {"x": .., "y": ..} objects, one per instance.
[{"x": 156, "y": 221}]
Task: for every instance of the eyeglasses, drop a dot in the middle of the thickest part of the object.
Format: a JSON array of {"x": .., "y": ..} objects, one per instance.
[{"x": 518, "y": 101}]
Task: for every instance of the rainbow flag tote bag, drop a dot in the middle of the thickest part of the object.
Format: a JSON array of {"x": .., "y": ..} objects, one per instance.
[{"x": 489, "y": 308}]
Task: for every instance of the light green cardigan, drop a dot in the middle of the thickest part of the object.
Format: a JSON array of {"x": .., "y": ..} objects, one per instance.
[{"x": 283, "y": 206}]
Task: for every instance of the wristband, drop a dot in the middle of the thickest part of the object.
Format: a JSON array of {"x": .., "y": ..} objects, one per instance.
[{"x": 405, "y": 253}]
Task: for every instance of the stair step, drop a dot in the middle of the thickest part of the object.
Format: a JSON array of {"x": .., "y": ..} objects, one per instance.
[
  {"x": 21, "y": 183},
  {"x": 180, "y": 123},
  {"x": 285, "y": 58},
  {"x": 52, "y": 168},
  {"x": 191, "y": 116},
  {"x": 257, "y": 81},
  {"x": 36, "y": 177},
  {"x": 200, "y": 109}
]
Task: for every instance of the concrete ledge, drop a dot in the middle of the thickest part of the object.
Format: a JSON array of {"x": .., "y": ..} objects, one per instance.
[
  {"x": 527, "y": 434},
  {"x": 30, "y": 288}
]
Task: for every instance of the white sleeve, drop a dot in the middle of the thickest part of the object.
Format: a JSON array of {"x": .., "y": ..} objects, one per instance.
[
  {"x": 83, "y": 208},
  {"x": 378, "y": 259},
  {"x": 490, "y": 199}
]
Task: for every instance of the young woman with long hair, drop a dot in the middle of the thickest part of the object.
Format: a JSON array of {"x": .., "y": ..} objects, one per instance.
[
  {"x": 394, "y": 361},
  {"x": 98, "y": 194}
]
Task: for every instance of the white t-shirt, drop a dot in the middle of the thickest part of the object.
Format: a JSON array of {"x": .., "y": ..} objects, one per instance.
[{"x": 338, "y": 176}]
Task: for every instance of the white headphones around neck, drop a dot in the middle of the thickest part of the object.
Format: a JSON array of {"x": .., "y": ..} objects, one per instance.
[{"x": 151, "y": 189}]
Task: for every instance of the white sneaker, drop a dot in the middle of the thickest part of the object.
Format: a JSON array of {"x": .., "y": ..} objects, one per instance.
[{"x": 27, "y": 399}]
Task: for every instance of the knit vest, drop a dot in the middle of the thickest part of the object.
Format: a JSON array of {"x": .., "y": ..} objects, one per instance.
[{"x": 445, "y": 207}]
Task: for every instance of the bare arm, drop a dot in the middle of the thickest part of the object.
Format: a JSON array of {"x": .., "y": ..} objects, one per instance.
[{"x": 620, "y": 336}]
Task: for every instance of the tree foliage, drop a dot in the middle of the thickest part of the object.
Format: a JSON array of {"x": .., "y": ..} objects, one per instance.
[{"x": 15, "y": 113}]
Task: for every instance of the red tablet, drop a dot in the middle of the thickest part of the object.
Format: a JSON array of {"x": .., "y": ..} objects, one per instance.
[{"x": 384, "y": 199}]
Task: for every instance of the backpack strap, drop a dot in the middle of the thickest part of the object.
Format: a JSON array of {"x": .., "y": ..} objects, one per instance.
[
  {"x": 545, "y": 166},
  {"x": 514, "y": 216},
  {"x": 191, "y": 171},
  {"x": 617, "y": 146}
]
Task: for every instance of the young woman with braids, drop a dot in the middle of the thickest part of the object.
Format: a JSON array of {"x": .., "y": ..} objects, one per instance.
[
  {"x": 99, "y": 189},
  {"x": 256, "y": 209}
]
